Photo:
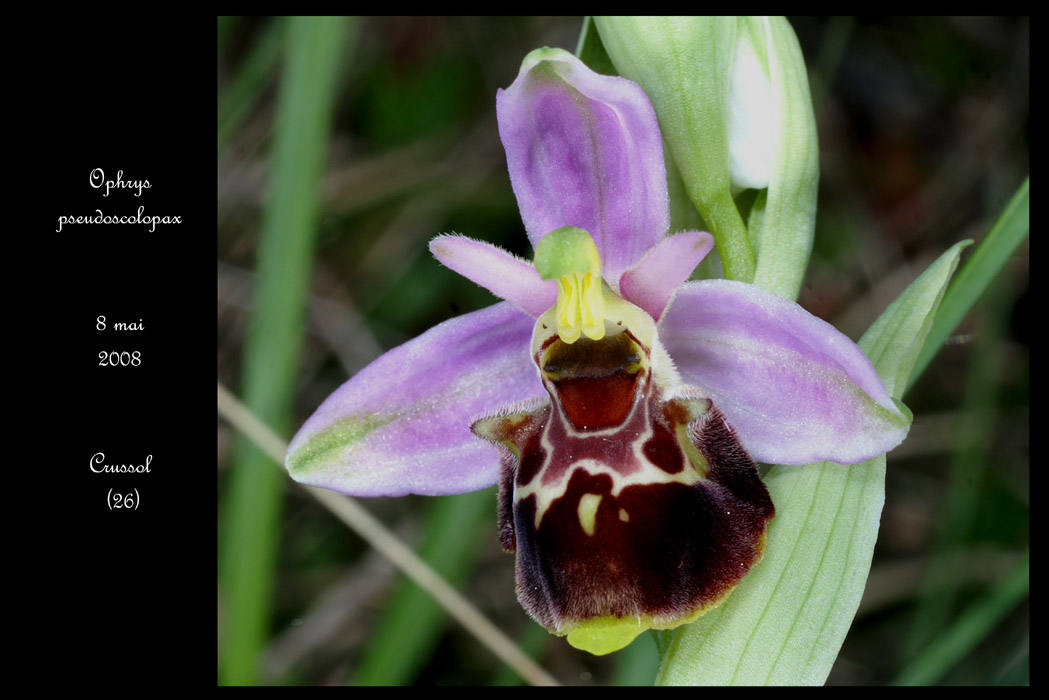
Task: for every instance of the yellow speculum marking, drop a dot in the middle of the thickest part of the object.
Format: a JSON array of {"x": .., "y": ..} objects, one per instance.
[
  {"x": 570, "y": 256},
  {"x": 587, "y": 511}
]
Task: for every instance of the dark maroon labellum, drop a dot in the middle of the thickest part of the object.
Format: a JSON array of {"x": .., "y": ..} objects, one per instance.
[{"x": 621, "y": 504}]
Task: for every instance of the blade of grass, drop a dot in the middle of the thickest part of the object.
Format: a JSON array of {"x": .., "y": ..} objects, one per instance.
[
  {"x": 252, "y": 503},
  {"x": 950, "y": 647},
  {"x": 972, "y": 458},
  {"x": 1008, "y": 231}
]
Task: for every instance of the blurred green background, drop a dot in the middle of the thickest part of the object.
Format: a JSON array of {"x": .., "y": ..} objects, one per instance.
[{"x": 345, "y": 145}]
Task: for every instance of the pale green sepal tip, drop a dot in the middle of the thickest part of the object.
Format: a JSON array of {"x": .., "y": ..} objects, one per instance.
[
  {"x": 605, "y": 634},
  {"x": 325, "y": 448},
  {"x": 545, "y": 54},
  {"x": 565, "y": 251}
]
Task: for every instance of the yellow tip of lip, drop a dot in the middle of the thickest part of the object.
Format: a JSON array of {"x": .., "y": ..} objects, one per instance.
[{"x": 605, "y": 634}]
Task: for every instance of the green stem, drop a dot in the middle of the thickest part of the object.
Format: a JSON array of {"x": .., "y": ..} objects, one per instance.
[{"x": 730, "y": 236}]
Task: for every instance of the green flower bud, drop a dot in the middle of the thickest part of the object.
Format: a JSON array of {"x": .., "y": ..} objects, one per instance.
[{"x": 733, "y": 103}]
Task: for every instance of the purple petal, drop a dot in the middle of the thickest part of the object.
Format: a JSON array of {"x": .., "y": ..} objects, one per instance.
[
  {"x": 795, "y": 389},
  {"x": 584, "y": 150},
  {"x": 651, "y": 283},
  {"x": 501, "y": 273},
  {"x": 402, "y": 424}
]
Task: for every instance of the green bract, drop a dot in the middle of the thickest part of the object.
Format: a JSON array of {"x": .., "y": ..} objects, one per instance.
[{"x": 733, "y": 103}]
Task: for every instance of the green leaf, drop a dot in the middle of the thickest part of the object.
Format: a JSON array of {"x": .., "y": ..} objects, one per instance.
[
  {"x": 1009, "y": 230},
  {"x": 894, "y": 341},
  {"x": 785, "y": 623}
]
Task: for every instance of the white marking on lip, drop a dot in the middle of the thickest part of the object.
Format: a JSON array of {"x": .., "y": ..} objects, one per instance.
[{"x": 640, "y": 471}]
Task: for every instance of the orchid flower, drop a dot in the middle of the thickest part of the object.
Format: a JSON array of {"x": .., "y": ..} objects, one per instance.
[{"x": 619, "y": 406}]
